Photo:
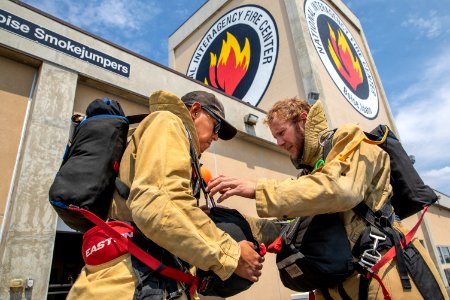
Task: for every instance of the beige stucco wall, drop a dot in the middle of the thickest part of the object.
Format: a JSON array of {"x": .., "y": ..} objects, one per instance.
[
  {"x": 65, "y": 85},
  {"x": 338, "y": 108},
  {"x": 299, "y": 69},
  {"x": 286, "y": 80},
  {"x": 15, "y": 87},
  {"x": 438, "y": 218}
]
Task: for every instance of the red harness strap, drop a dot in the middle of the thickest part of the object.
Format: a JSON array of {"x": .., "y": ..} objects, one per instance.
[
  {"x": 390, "y": 254},
  {"x": 140, "y": 254},
  {"x": 408, "y": 237}
]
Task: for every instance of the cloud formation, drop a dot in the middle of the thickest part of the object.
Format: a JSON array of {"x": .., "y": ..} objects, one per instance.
[
  {"x": 431, "y": 27},
  {"x": 423, "y": 122}
]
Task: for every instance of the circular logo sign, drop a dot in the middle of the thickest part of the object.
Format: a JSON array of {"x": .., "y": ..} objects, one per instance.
[
  {"x": 342, "y": 57},
  {"x": 238, "y": 53}
]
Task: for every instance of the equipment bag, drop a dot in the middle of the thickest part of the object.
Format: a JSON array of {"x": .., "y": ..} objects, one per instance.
[
  {"x": 315, "y": 253},
  {"x": 410, "y": 194},
  {"x": 231, "y": 222},
  {"x": 90, "y": 164}
]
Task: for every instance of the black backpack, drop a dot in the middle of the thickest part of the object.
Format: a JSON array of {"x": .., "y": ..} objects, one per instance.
[
  {"x": 315, "y": 252},
  {"x": 410, "y": 194},
  {"x": 90, "y": 164},
  {"x": 233, "y": 223},
  {"x": 82, "y": 191}
]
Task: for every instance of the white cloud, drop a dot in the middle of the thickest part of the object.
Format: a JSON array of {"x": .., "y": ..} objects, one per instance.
[
  {"x": 430, "y": 27},
  {"x": 440, "y": 179},
  {"x": 101, "y": 15},
  {"x": 123, "y": 22},
  {"x": 423, "y": 121}
]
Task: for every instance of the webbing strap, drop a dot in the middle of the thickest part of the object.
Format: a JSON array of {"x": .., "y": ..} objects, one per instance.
[
  {"x": 386, "y": 294},
  {"x": 391, "y": 252},
  {"x": 136, "y": 118},
  {"x": 365, "y": 139},
  {"x": 140, "y": 254}
]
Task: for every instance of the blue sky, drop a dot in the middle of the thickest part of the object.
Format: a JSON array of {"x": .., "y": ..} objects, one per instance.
[{"x": 409, "y": 41}]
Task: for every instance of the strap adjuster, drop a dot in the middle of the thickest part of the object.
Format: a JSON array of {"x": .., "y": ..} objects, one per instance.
[
  {"x": 364, "y": 270},
  {"x": 175, "y": 294},
  {"x": 370, "y": 257}
]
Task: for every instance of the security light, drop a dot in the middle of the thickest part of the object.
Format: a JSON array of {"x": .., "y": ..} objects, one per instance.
[{"x": 250, "y": 119}]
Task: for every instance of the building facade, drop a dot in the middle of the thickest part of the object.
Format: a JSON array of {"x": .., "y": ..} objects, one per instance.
[{"x": 283, "y": 48}]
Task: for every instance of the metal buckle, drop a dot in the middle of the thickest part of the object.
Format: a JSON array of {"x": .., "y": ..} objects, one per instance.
[
  {"x": 176, "y": 294},
  {"x": 365, "y": 271},
  {"x": 370, "y": 257},
  {"x": 377, "y": 239}
]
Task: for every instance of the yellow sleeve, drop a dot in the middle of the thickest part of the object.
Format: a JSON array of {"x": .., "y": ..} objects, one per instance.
[
  {"x": 162, "y": 204},
  {"x": 337, "y": 187}
]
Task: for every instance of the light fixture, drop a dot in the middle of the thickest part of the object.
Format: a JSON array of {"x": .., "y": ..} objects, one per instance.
[
  {"x": 250, "y": 119},
  {"x": 313, "y": 97}
]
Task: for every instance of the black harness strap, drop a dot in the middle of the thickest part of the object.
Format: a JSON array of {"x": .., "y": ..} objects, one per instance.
[
  {"x": 326, "y": 294},
  {"x": 343, "y": 293},
  {"x": 381, "y": 220},
  {"x": 136, "y": 118}
]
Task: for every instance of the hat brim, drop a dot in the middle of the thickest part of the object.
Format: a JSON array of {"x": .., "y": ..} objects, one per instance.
[{"x": 227, "y": 131}]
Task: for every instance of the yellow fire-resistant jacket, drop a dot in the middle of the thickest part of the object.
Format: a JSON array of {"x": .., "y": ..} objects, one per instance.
[
  {"x": 157, "y": 166},
  {"x": 337, "y": 187}
]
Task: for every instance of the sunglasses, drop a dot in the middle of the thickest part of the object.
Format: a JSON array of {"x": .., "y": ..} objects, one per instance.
[{"x": 218, "y": 126}]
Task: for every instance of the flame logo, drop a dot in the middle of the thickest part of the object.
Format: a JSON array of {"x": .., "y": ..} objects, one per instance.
[
  {"x": 232, "y": 66},
  {"x": 343, "y": 58}
]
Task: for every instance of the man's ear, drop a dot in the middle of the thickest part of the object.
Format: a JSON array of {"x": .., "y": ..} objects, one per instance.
[
  {"x": 195, "y": 110},
  {"x": 303, "y": 115}
]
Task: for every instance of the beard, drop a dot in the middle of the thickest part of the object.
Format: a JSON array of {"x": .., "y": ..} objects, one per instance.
[{"x": 300, "y": 138}]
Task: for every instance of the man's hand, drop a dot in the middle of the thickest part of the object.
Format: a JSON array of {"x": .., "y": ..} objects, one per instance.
[
  {"x": 229, "y": 186},
  {"x": 250, "y": 263}
]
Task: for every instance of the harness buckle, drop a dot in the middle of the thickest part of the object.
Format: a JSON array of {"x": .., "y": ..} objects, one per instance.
[
  {"x": 175, "y": 294},
  {"x": 370, "y": 257},
  {"x": 364, "y": 270},
  {"x": 377, "y": 238}
]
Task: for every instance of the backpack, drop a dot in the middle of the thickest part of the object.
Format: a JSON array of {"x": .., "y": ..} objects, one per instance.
[
  {"x": 87, "y": 175},
  {"x": 230, "y": 221},
  {"x": 410, "y": 194},
  {"x": 315, "y": 253},
  {"x": 82, "y": 190},
  {"x": 233, "y": 223},
  {"x": 304, "y": 264}
]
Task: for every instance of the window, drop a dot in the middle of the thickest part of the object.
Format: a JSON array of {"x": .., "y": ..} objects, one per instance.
[{"x": 444, "y": 254}]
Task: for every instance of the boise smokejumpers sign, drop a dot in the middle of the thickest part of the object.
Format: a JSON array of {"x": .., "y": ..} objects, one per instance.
[
  {"x": 24, "y": 28},
  {"x": 342, "y": 57},
  {"x": 238, "y": 53}
]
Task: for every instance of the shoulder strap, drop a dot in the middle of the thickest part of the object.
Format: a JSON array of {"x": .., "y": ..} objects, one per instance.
[
  {"x": 136, "y": 118},
  {"x": 380, "y": 220},
  {"x": 200, "y": 183},
  {"x": 326, "y": 140}
]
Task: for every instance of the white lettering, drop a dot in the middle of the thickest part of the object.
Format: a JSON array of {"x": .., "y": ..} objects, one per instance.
[{"x": 106, "y": 242}]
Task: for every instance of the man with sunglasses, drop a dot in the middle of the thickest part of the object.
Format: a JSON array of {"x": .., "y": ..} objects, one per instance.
[{"x": 157, "y": 166}]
